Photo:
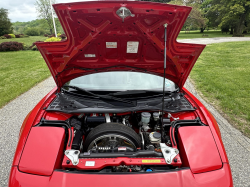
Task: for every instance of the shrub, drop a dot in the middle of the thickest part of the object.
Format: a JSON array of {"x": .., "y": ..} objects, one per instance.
[
  {"x": 41, "y": 31},
  {"x": 11, "y": 46},
  {"x": 63, "y": 36},
  {"x": 12, "y": 35},
  {"x": 52, "y": 35},
  {"x": 3, "y": 37},
  {"x": 33, "y": 46},
  {"x": 53, "y": 39},
  {"x": 45, "y": 35},
  {"x": 17, "y": 36},
  {"x": 7, "y": 36},
  {"x": 32, "y": 32}
]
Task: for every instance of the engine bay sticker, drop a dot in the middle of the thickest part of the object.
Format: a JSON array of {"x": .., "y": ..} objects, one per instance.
[
  {"x": 151, "y": 161},
  {"x": 90, "y": 163},
  {"x": 132, "y": 47},
  {"x": 122, "y": 148},
  {"x": 89, "y": 55},
  {"x": 111, "y": 44}
]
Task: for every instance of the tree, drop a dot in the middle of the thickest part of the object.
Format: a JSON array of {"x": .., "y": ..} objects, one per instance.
[
  {"x": 43, "y": 9},
  {"x": 196, "y": 17},
  {"x": 232, "y": 13},
  {"x": 5, "y": 24},
  {"x": 159, "y": 1}
]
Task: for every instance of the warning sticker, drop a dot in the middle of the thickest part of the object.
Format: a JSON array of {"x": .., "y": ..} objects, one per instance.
[
  {"x": 111, "y": 44},
  {"x": 132, "y": 47},
  {"x": 89, "y": 55},
  {"x": 151, "y": 161},
  {"x": 90, "y": 163}
]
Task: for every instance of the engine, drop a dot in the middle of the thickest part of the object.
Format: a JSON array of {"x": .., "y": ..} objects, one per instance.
[
  {"x": 125, "y": 142},
  {"x": 105, "y": 133}
]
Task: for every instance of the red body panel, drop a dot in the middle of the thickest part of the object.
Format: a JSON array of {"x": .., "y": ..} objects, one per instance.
[
  {"x": 57, "y": 116},
  {"x": 43, "y": 151},
  {"x": 32, "y": 118},
  {"x": 197, "y": 146},
  {"x": 89, "y": 25},
  {"x": 182, "y": 178},
  {"x": 208, "y": 119}
]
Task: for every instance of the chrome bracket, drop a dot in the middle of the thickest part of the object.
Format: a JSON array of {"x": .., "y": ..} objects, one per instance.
[
  {"x": 168, "y": 153},
  {"x": 124, "y": 12},
  {"x": 170, "y": 116},
  {"x": 73, "y": 155}
]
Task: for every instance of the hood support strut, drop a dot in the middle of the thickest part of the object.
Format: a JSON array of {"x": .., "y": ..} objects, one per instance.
[{"x": 165, "y": 59}]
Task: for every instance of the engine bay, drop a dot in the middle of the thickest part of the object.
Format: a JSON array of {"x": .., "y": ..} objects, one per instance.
[{"x": 123, "y": 142}]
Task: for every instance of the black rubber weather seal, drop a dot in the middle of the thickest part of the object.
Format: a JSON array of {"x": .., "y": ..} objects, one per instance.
[{"x": 174, "y": 124}]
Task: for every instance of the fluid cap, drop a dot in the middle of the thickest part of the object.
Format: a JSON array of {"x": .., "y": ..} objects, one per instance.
[
  {"x": 149, "y": 170},
  {"x": 157, "y": 135}
]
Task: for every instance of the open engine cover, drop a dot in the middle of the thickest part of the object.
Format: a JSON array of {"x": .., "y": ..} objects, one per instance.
[
  {"x": 40, "y": 154},
  {"x": 198, "y": 149}
]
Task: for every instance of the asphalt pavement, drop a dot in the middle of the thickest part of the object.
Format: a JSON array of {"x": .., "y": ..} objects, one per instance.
[{"x": 13, "y": 114}]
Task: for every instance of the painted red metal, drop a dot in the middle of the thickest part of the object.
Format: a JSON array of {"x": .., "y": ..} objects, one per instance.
[
  {"x": 57, "y": 116},
  {"x": 89, "y": 25},
  {"x": 197, "y": 146},
  {"x": 43, "y": 151},
  {"x": 100, "y": 163},
  {"x": 182, "y": 178},
  {"x": 208, "y": 119},
  {"x": 31, "y": 119}
]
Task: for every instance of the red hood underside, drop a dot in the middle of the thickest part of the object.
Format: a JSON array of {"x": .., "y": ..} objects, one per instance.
[{"x": 98, "y": 40}]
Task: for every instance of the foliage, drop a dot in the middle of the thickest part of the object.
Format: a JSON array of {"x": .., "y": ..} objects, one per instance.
[
  {"x": 43, "y": 9},
  {"x": 159, "y": 1},
  {"x": 11, "y": 46},
  {"x": 17, "y": 36},
  {"x": 233, "y": 14},
  {"x": 7, "y": 36},
  {"x": 32, "y": 32},
  {"x": 20, "y": 27},
  {"x": 52, "y": 35},
  {"x": 53, "y": 39},
  {"x": 196, "y": 18},
  {"x": 27, "y": 41},
  {"x": 205, "y": 34},
  {"x": 33, "y": 46},
  {"x": 222, "y": 75},
  {"x": 3, "y": 37},
  {"x": 5, "y": 24},
  {"x": 63, "y": 36},
  {"x": 46, "y": 35},
  {"x": 12, "y": 35}
]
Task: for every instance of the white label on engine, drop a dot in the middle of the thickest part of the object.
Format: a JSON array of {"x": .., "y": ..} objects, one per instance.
[
  {"x": 111, "y": 44},
  {"x": 122, "y": 148},
  {"x": 132, "y": 47},
  {"x": 90, "y": 163}
]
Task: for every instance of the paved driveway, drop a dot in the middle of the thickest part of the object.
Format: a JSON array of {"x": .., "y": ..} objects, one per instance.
[{"x": 12, "y": 115}]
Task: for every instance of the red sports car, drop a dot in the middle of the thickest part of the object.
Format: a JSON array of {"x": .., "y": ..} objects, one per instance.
[{"x": 120, "y": 115}]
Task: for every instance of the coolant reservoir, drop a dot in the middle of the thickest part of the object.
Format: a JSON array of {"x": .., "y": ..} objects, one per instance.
[{"x": 145, "y": 117}]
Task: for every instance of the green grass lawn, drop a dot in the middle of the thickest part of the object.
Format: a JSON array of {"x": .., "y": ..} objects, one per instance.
[
  {"x": 19, "y": 71},
  {"x": 222, "y": 74},
  {"x": 27, "y": 41},
  {"x": 206, "y": 34}
]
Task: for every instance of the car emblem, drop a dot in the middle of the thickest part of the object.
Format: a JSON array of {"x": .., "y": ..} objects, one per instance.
[{"x": 124, "y": 12}]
